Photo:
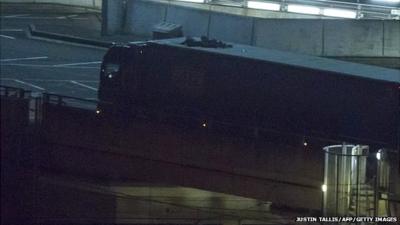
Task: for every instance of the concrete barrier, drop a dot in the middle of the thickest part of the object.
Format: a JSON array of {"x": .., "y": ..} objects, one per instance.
[
  {"x": 83, "y": 3},
  {"x": 391, "y": 38},
  {"x": 225, "y": 27},
  {"x": 67, "y": 38},
  {"x": 197, "y": 25},
  {"x": 353, "y": 37},
  {"x": 322, "y": 37},
  {"x": 299, "y": 35},
  {"x": 141, "y": 16},
  {"x": 199, "y": 158}
]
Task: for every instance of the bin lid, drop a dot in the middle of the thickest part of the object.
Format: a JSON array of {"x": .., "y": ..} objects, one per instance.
[{"x": 166, "y": 27}]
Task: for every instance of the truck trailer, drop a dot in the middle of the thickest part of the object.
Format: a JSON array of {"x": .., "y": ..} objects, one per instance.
[{"x": 208, "y": 83}]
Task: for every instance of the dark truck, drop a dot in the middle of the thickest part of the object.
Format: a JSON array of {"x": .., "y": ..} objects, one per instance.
[{"x": 237, "y": 87}]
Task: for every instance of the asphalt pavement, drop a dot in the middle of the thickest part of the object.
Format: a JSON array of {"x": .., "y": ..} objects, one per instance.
[{"x": 51, "y": 66}]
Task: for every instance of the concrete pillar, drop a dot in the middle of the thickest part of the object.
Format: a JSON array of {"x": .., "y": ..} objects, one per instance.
[{"x": 113, "y": 14}]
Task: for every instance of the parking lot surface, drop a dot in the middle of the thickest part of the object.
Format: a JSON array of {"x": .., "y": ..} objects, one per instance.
[{"x": 46, "y": 65}]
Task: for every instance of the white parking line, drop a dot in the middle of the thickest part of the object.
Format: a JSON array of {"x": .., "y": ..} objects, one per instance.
[
  {"x": 84, "y": 85},
  {"x": 48, "y": 66},
  {"x": 19, "y": 59},
  {"x": 76, "y": 64},
  {"x": 24, "y": 65},
  {"x": 29, "y": 84},
  {"x": 5, "y": 36},
  {"x": 65, "y": 17},
  {"x": 13, "y": 16},
  {"x": 11, "y": 30},
  {"x": 34, "y": 17},
  {"x": 52, "y": 80},
  {"x": 76, "y": 67}
]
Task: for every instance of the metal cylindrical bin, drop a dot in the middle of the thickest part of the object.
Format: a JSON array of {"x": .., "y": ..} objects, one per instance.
[{"x": 344, "y": 175}]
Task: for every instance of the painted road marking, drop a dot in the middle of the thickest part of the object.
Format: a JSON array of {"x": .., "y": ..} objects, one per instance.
[
  {"x": 13, "y": 16},
  {"x": 27, "y": 16},
  {"x": 5, "y": 36},
  {"x": 11, "y": 30},
  {"x": 19, "y": 59},
  {"x": 48, "y": 66},
  {"x": 24, "y": 65},
  {"x": 65, "y": 17},
  {"x": 83, "y": 85},
  {"x": 76, "y": 64},
  {"x": 29, "y": 84},
  {"x": 77, "y": 67},
  {"x": 52, "y": 80},
  {"x": 33, "y": 17}
]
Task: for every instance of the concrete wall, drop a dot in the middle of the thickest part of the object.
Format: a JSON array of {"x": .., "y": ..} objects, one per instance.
[
  {"x": 141, "y": 16},
  {"x": 84, "y": 3},
  {"x": 223, "y": 26},
  {"x": 361, "y": 38},
  {"x": 174, "y": 156},
  {"x": 391, "y": 38},
  {"x": 197, "y": 25},
  {"x": 304, "y": 36},
  {"x": 324, "y": 37}
]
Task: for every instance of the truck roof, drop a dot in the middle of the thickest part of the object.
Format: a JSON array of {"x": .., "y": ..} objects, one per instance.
[{"x": 294, "y": 59}]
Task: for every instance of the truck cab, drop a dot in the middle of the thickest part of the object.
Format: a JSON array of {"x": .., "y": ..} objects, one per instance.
[{"x": 119, "y": 75}]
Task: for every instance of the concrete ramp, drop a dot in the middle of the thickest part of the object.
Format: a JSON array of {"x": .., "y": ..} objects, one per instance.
[{"x": 78, "y": 142}]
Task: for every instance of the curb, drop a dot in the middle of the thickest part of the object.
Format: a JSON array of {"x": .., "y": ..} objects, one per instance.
[
  {"x": 67, "y": 38},
  {"x": 79, "y": 8}
]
